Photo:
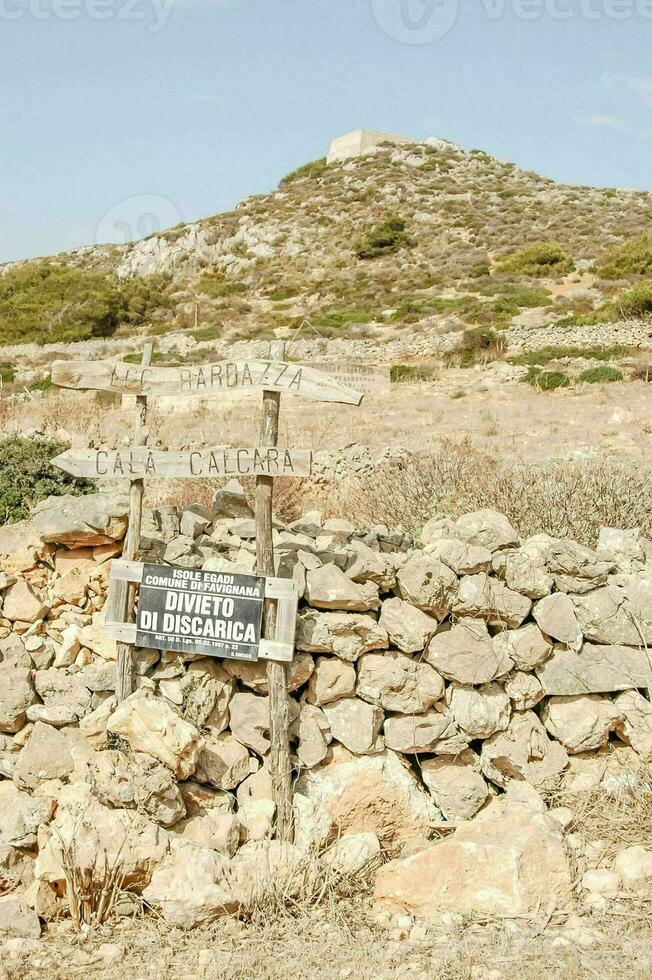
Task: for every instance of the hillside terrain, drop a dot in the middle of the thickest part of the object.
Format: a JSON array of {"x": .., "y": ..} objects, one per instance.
[{"x": 427, "y": 237}]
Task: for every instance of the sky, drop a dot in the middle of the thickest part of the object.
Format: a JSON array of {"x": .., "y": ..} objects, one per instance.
[{"x": 122, "y": 117}]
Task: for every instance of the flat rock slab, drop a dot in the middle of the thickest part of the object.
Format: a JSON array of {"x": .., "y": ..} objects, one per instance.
[{"x": 595, "y": 670}]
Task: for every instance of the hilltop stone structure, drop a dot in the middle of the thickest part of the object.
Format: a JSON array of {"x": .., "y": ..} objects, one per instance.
[{"x": 361, "y": 142}]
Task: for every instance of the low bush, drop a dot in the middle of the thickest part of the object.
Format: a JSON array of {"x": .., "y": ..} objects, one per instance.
[
  {"x": 313, "y": 169},
  {"x": 215, "y": 286},
  {"x": 597, "y": 375},
  {"x": 413, "y": 372},
  {"x": 635, "y": 302},
  {"x": 26, "y": 476},
  {"x": 543, "y": 259},
  {"x": 7, "y": 373},
  {"x": 553, "y": 353},
  {"x": 49, "y": 302},
  {"x": 383, "y": 239},
  {"x": 565, "y": 499},
  {"x": 547, "y": 380},
  {"x": 634, "y": 258},
  {"x": 479, "y": 345}
]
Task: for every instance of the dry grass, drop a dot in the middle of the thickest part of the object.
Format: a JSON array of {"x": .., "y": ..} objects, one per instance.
[
  {"x": 565, "y": 499},
  {"x": 327, "y": 944}
]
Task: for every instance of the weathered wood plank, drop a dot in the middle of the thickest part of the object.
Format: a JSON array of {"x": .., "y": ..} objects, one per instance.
[
  {"x": 372, "y": 378},
  {"x": 277, "y": 683},
  {"x": 125, "y": 595},
  {"x": 274, "y": 375},
  {"x": 142, "y": 462}
]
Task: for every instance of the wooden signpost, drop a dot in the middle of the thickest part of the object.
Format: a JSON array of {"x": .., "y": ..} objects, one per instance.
[{"x": 198, "y": 622}]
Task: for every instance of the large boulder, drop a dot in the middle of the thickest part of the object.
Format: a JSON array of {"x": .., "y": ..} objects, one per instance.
[
  {"x": 581, "y": 723},
  {"x": 46, "y": 755},
  {"x": 137, "y": 782},
  {"x": 618, "y": 614},
  {"x": 356, "y": 725},
  {"x": 206, "y": 688},
  {"x": 314, "y": 736},
  {"x": 21, "y": 815},
  {"x": 59, "y": 689},
  {"x": 254, "y": 675},
  {"x": 595, "y": 670},
  {"x": 456, "y": 784},
  {"x": 428, "y": 584},
  {"x": 331, "y": 680},
  {"x": 96, "y": 835},
  {"x": 21, "y": 604},
  {"x": 376, "y": 793},
  {"x": 522, "y": 752},
  {"x": 407, "y": 627},
  {"x": 479, "y": 712},
  {"x": 327, "y": 587},
  {"x": 510, "y": 864},
  {"x": 466, "y": 653},
  {"x": 575, "y": 568},
  {"x": 526, "y": 647},
  {"x": 398, "y": 683},
  {"x": 555, "y": 615},
  {"x": 150, "y": 725},
  {"x": 16, "y": 695},
  {"x": 348, "y": 635},
  {"x": 95, "y": 519},
  {"x": 635, "y": 725},
  {"x": 461, "y": 557},
  {"x": 17, "y": 919},
  {"x": 414, "y": 734},
  {"x": 487, "y": 529},
  {"x": 523, "y": 574},
  {"x": 223, "y": 762},
  {"x": 189, "y": 888},
  {"x": 490, "y": 599}
]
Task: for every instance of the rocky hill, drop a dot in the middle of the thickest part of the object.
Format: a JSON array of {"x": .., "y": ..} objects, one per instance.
[{"x": 425, "y": 237}]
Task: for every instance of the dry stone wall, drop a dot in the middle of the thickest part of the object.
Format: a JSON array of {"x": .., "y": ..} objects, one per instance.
[{"x": 444, "y": 681}]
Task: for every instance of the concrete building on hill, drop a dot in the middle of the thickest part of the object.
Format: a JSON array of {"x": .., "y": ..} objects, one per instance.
[{"x": 361, "y": 142}]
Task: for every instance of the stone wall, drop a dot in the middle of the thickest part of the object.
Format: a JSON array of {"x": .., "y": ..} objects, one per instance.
[{"x": 435, "y": 683}]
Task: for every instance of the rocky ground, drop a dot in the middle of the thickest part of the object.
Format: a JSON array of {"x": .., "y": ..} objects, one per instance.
[{"x": 472, "y": 740}]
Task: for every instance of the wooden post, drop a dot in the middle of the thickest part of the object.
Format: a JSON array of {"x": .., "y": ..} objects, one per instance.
[
  {"x": 281, "y": 767},
  {"x": 125, "y": 680}
]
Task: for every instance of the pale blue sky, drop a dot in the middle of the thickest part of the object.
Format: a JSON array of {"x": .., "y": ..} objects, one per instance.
[{"x": 169, "y": 110}]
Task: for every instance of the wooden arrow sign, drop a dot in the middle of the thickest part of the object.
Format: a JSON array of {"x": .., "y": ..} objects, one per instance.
[
  {"x": 141, "y": 462},
  {"x": 210, "y": 379}
]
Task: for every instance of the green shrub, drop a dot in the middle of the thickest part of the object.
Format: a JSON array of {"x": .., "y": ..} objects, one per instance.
[
  {"x": 412, "y": 372},
  {"x": 49, "y": 302},
  {"x": 313, "y": 169},
  {"x": 383, "y": 239},
  {"x": 43, "y": 384},
  {"x": 634, "y": 258},
  {"x": 479, "y": 271},
  {"x": 634, "y": 302},
  {"x": 283, "y": 292},
  {"x": 26, "y": 476},
  {"x": 7, "y": 373},
  {"x": 215, "y": 286},
  {"x": 547, "y": 380},
  {"x": 597, "y": 375},
  {"x": 337, "y": 317},
  {"x": 544, "y": 259},
  {"x": 546, "y": 354},
  {"x": 207, "y": 333}
]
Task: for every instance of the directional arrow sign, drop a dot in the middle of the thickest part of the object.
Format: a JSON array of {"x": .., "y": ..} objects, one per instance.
[
  {"x": 210, "y": 379},
  {"x": 138, "y": 463}
]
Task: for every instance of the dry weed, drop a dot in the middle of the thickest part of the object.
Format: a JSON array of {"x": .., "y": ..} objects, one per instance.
[{"x": 564, "y": 498}]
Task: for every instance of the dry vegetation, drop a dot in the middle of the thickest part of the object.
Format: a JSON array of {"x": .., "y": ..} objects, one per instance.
[{"x": 327, "y": 931}]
